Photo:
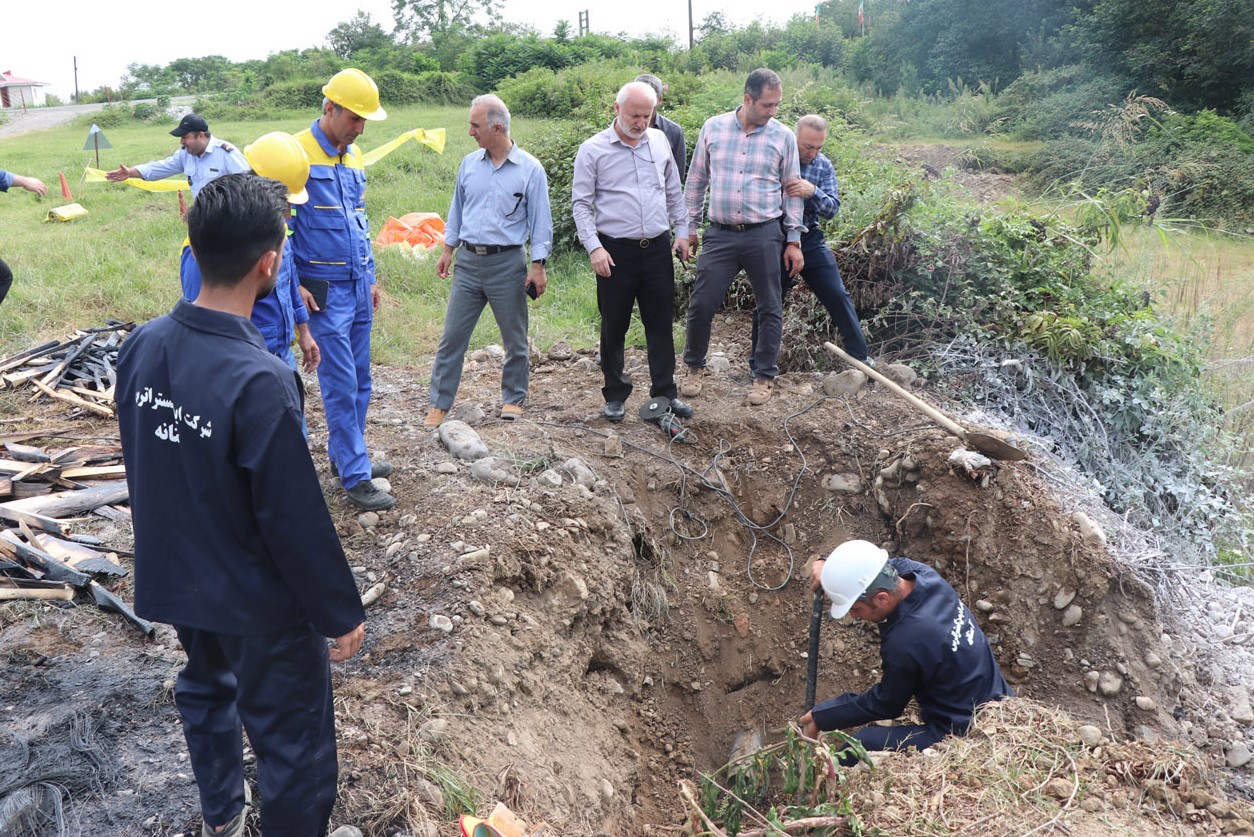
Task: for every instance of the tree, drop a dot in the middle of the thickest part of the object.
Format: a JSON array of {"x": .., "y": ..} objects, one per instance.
[
  {"x": 357, "y": 34},
  {"x": 433, "y": 20}
]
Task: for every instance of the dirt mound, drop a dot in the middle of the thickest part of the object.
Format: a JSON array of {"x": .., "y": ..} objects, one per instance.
[{"x": 594, "y": 614}]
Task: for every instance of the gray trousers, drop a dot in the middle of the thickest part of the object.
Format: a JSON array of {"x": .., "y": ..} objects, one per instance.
[
  {"x": 725, "y": 253},
  {"x": 499, "y": 281}
]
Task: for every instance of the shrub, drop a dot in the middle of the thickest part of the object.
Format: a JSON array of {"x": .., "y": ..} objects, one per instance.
[
  {"x": 556, "y": 149},
  {"x": 441, "y": 88},
  {"x": 295, "y": 94}
]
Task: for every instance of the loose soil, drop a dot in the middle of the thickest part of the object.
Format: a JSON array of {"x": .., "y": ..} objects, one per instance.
[{"x": 622, "y": 607}]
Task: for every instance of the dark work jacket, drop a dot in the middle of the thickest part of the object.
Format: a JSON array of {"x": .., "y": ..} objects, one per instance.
[
  {"x": 931, "y": 649},
  {"x": 675, "y": 136},
  {"x": 232, "y": 533}
]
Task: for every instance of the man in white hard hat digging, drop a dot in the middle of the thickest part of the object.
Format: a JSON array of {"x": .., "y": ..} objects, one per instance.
[{"x": 931, "y": 650}]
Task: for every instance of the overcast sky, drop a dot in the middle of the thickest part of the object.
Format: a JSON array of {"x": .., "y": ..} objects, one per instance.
[{"x": 41, "y": 42}]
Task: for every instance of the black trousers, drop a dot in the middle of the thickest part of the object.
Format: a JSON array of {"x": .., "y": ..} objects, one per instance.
[
  {"x": 6, "y": 280},
  {"x": 643, "y": 276},
  {"x": 278, "y": 686}
]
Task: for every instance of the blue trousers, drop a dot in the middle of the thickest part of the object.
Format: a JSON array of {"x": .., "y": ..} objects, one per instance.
[
  {"x": 823, "y": 276},
  {"x": 342, "y": 331},
  {"x": 500, "y": 281},
  {"x": 278, "y": 687},
  {"x": 877, "y": 738},
  {"x": 759, "y": 252}
]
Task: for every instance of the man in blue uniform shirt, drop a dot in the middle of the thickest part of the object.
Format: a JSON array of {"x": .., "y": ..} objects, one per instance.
[
  {"x": 234, "y": 545},
  {"x": 331, "y": 247},
  {"x": 500, "y": 202},
  {"x": 201, "y": 158},
  {"x": 931, "y": 649}
]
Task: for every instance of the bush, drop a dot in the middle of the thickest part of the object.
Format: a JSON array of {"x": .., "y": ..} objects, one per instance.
[
  {"x": 440, "y": 88},
  {"x": 296, "y": 94},
  {"x": 110, "y": 116},
  {"x": 1047, "y": 105},
  {"x": 556, "y": 149}
]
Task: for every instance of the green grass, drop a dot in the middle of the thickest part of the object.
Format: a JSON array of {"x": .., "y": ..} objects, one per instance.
[{"x": 122, "y": 260}]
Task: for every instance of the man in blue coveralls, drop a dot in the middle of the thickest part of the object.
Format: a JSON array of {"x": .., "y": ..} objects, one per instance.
[
  {"x": 931, "y": 650},
  {"x": 331, "y": 247},
  {"x": 201, "y": 157},
  {"x": 281, "y": 314},
  {"x": 234, "y": 545}
]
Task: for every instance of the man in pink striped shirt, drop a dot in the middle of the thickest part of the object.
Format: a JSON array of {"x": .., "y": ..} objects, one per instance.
[{"x": 745, "y": 159}]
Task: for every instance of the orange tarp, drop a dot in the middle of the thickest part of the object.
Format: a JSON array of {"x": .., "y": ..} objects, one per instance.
[{"x": 417, "y": 229}]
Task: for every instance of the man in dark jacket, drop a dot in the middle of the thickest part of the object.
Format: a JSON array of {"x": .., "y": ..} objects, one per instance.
[
  {"x": 233, "y": 543},
  {"x": 931, "y": 649}
]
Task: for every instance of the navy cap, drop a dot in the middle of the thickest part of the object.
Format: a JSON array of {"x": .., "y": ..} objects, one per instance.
[{"x": 191, "y": 124}]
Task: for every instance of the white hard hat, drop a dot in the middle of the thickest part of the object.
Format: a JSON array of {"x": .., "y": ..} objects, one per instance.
[{"x": 849, "y": 571}]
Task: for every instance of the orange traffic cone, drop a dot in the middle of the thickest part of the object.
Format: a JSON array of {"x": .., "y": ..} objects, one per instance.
[
  {"x": 182, "y": 206},
  {"x": 65, "y": 189}
]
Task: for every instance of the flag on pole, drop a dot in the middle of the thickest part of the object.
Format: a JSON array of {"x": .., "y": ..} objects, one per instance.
[{"x": 860, "y": 10}]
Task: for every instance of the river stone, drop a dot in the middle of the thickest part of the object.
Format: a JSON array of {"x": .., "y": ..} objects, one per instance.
[
  {"x": 1088, "y": 529},
  {"x": 900, "y": 374},
  {"x": 440, "y": 623},
  {"x": 1090, "y": 736},
  {"x": 1238, "y": 754},
  {"x": 843, "y": 483},
  {"x": 1240, "y": 710},
  {"x": 1090, "y": 680},
  {"x": 1065, "y": 597},
  {"x": 1145, "y": 703},
  {"x": 490, "y": 469},
  {"x": 560, "y": 351},
  {"x": 1109, "y": 683},
  {"x": 462, "y": 441},
  {"x": 845, "y": 384},
  {"x": 613, "y": 445},
  {"x": 1072, "y": 616},
  {"x": 718, "y": 365},
  {"x": 579, "y": 472},
  {"x": 549, "y": 479}
]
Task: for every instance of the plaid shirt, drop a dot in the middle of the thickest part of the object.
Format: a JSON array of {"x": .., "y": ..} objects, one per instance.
[
  {"x": 825, "y": 202},
  {"x": 745, "y": 174}
]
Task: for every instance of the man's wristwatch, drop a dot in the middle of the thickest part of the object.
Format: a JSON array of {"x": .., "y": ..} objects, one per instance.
[
  {"x": 540, "y": 262},
  {"x": 796, "y": 244}
]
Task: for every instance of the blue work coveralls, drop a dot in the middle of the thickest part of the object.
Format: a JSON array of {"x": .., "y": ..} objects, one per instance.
[
  {"x": 234, "y": 546},
  {"x": 932, "y": 650},
  {"x": 331, "y": 242}
]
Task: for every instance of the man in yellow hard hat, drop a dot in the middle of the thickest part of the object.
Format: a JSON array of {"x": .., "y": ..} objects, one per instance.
[{"x": 331, "y": 250}]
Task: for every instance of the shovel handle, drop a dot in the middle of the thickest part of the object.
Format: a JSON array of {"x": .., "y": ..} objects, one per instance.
[
  {"x": 812, "y": 661},
  {"x": 919, "y": 404}
]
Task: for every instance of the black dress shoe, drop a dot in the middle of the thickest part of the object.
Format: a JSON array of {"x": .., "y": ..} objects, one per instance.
[
  {"x": 680, "y": 409},
  {"x": 614, "y": 411}
]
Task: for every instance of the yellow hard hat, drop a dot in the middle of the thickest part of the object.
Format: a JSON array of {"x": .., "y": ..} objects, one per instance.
[
  {"x": 280, "y": 157},
  {"x": 356, "y": 91}
]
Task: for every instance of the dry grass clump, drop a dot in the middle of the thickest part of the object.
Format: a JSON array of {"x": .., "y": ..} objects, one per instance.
[{"x": 1024, "y": 770}]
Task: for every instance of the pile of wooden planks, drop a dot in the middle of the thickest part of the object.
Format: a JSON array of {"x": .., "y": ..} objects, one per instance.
[
  {"x": 40, "y": 558},
  {"x": 79, "y": 370}
]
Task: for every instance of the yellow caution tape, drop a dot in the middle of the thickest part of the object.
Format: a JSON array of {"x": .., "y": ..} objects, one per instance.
[
  {"x": 171, "y": 185},
  {"x": 433, "y": 139},
  {"x": 66, "y": 213}
]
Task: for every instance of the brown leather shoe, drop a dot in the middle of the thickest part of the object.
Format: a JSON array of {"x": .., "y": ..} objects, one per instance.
[
  {"x": 761, "y": 391},
  {"x": 435, "y": 417},
  {"x": 692, "y": 385},
  {"x": 509, "y": 412}
]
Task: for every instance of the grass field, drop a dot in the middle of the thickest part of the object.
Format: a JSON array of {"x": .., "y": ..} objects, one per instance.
[{"x": 122, "y": 260}]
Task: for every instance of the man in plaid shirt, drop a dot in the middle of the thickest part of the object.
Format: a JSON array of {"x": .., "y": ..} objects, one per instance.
[
  {"x": 745, "y": 159},
  {"x": 817, "y": 187}
]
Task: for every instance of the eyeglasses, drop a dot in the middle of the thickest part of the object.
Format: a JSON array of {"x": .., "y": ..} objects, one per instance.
[{"x": 517, "y": 203}]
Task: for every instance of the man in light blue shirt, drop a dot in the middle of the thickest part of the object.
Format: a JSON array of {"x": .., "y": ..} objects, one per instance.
[
  {"x": 500, "y": 203},
  {"x": 201, "y": 158}
]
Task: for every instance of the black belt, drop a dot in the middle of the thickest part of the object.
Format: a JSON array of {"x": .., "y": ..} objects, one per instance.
[
  {"x": 642, "y": 243},
  {"x": 719, "y": 225},
  {"x": 489, "y": 249}
]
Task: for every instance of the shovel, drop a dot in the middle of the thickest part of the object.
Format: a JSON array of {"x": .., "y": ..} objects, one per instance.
[{"x": 985, "y": 443}]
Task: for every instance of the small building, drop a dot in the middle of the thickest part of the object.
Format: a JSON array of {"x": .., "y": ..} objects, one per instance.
[{"x": 18, "y": 92}]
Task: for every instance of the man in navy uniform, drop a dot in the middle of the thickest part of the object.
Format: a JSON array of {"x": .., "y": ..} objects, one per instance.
[
  {"x": 931, "y": 650},
  {"x": 234, "y": 545},
  {"x": 201, "y": 157}
]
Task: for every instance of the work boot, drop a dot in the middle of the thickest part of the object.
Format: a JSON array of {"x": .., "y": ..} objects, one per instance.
[
  {"x": 693, "y": 383},
  {"x": 615, "y": 411},
  {"x": 378, "y": 468},
  {"x": 366, "y": 496},
  {"x": 761, "y": 391},
  {"x": 509, "y": 412},
  {"x": 680, "y": 409},
  {"x": 234, "y": 828},
  {"x": 435, "y": 417}
]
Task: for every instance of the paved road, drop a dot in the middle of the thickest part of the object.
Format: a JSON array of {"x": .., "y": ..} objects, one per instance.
[{"x": 41, "y": 119}]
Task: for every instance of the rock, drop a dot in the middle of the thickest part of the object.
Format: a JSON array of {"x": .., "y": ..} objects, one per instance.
[
  {"x": 462, "y": 441},
  {"x": 490, "y": 469},
  {"x": 1058, "y": 788},
  {"x": 560, "y": 351},
  {"x": 405, "y": 690},
  {"x": 440, "y": 623},
  {"x": 1109, "y": 683},
  {"x": 1090, "y": 680},
  {"x": 549, "y": 479},
  {"x": 718, "y": 365},
  {"x": 1063, "y": 598},
  {"x": 383, "y": 484},
  {"x": 1090, "y": 736},
  {"x": 900, "y": 374},
  {"x": 467, "y": 412},
  {"x": 587, "y": 365},
  {"x": 579, "y": 472},
  {"x": 1238, "y": 754},
  {"x": 1145, "y": 703},
  {"x": 613, "y": 445},
  {"x": 1240, "y": 710},
  {"x": 712, "y": 581},
  {"x": 427, "y": 793},
  {"x": 790, "y": 534},
  {"x": 845, "y": 384},
  {"x": 843, "y": 483},
  {"x": 741, "y": 624},
  {"x": 372, "y": 595},
  {"x": 984, "y": 606},
  {"x": 1093, "y": 805},
  {"x": 1072, "y": 616},
  {"x": 498, "y": 620},
  {"x": 368, "y": 520},
  {"x": 475, "y": 607},
  {"x": 607, "y": 792},
  {"x": 1088, "y": 529}
]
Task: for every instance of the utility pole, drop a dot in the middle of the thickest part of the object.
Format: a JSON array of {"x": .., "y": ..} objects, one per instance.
[
  {"x": 690, "y": 27},
  {"x": 585, "y": 28},
  {"x": 76, "y": 78}
]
